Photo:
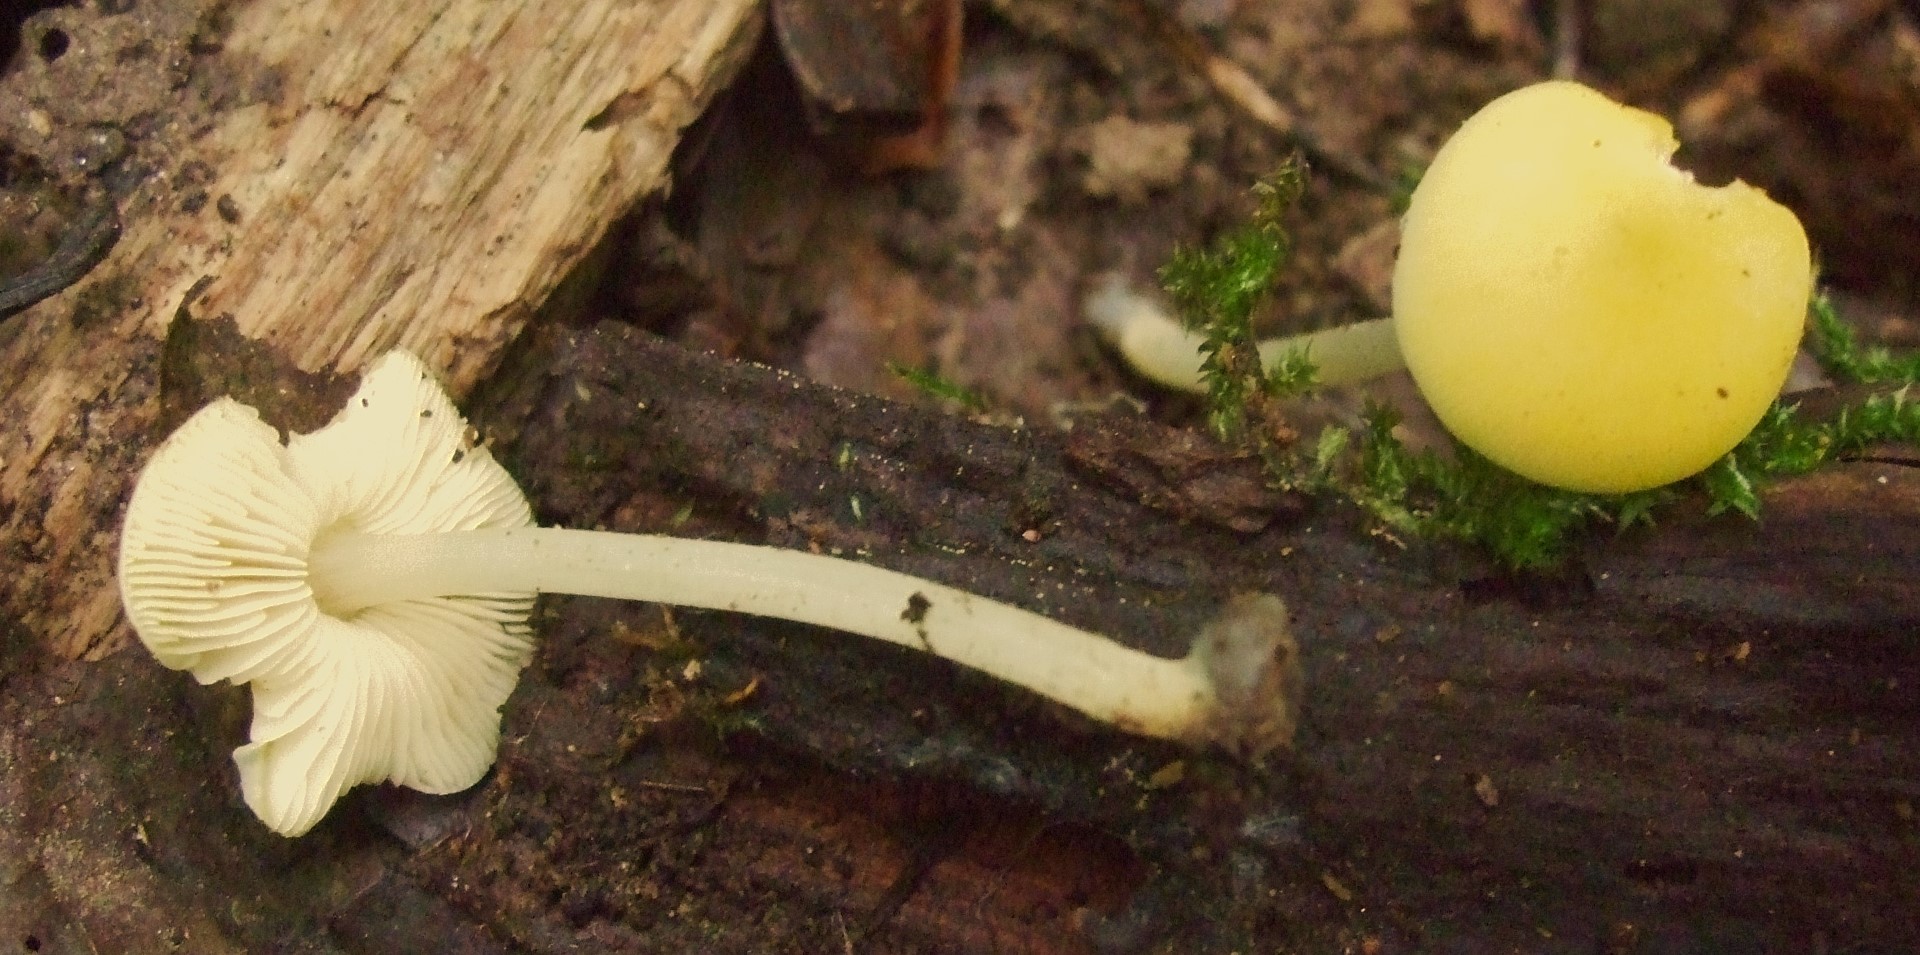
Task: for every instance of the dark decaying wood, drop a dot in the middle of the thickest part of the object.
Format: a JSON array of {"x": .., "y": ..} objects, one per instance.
[{"x": 1704, "y": 740}]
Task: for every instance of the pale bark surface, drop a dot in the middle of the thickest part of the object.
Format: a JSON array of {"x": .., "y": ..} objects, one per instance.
[{"x": 386, "y": 174}]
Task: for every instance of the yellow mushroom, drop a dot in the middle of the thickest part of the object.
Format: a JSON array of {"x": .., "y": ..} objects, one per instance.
[
  {"x": 1572, "y": 305},
  {"x": 1582, "y": 312}
]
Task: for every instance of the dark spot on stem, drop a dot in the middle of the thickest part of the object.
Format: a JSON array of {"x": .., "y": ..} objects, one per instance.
[
  {"x": 917, "y": 607},
  {"x": 916, "y": 614}
]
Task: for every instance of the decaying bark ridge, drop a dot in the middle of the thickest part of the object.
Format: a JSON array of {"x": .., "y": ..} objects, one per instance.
[{"x": 417, "y": 174}]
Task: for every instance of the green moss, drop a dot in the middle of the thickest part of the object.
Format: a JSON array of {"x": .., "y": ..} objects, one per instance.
[
  {"x": 1217, "y": 289},
  {"x": 937, "y": 386},
  {"x": 1524, "y": 525},
  {"x": 1400, "y": 190},
  {"x": 1296, "y": 374},
  {"x": 1834, "y": 344}
]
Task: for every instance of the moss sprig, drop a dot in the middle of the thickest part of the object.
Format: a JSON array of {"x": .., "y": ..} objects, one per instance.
[
  {"x": 1217, "y": 289},
  {"x": 1787, "y": 441},
  {"x": 1835, "y": 345},
  {"x": 938, "y": 386}
]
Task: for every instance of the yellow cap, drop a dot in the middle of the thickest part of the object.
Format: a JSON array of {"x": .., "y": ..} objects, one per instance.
[{"x": 1583, "y": 313}]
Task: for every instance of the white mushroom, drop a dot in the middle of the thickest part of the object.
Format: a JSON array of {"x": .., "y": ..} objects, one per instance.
[{"x": 372, "y": 581}]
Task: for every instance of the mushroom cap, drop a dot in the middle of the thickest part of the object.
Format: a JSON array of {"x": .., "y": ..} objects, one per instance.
[
  {"x": 1583, "y": 313},
  {"x": 213, "y": 575}
]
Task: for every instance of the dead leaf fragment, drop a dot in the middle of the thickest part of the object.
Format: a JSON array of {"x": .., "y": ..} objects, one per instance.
[
  {"x": 1169, "y": 775},
  {"x": 1504, "y": 23},
  {"x": 744, "y": 693},
  {"x": 1338, "y": 888},
  {"x": 1128, "y": 159}
]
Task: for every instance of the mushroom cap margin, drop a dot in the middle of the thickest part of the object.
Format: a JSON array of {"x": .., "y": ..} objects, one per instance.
[{"x": 213, "y": 577}]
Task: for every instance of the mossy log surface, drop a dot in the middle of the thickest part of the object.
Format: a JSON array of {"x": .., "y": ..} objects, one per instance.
[{"x": 1705, "y": 739}]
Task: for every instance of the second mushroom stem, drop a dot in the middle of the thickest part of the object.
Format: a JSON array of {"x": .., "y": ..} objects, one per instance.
[
  {"x": 1155, "y": 696},
  {"x": 1158, "y": 347}
]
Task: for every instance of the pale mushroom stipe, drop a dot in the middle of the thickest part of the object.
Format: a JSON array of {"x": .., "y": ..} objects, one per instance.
[
  {"x": 372, "y": 581},
  {"x": 1571, "y": 305}
]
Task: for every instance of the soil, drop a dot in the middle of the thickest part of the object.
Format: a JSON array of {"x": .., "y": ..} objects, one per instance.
[{"x": 1702, "y": 738}]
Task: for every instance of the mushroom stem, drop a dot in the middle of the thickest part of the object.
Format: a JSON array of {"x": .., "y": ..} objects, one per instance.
[
  {"x": 1177, "y": 699},
  {"x": 372, "y": 581},
  {"x": 1343, "y": 354},
  {"x": 1159, "y": 348}
]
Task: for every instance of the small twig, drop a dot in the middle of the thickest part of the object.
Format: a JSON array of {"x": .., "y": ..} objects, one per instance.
[
  {"x": 674, "y": 787},
  {"x": 929, "y": 850},
  {"x": 80, "y": 249},
  {"x": 1238, "y": 87},
  {"x": 846, "y": 941},
  {"x": 1569, "y": 36}
]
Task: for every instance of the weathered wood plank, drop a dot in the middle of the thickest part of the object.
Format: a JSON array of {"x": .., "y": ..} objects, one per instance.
[{"x": 418, "y": 174}]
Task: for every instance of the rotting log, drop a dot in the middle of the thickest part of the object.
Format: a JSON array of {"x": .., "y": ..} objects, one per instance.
[
  {"x": 1714, "y": 746},
  {"x": 419, "y": 174},
  {"x": 1705, "y": 738}
]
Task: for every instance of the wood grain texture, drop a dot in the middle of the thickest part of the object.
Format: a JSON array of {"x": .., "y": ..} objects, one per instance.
[{"x": 417, "y": 174}]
